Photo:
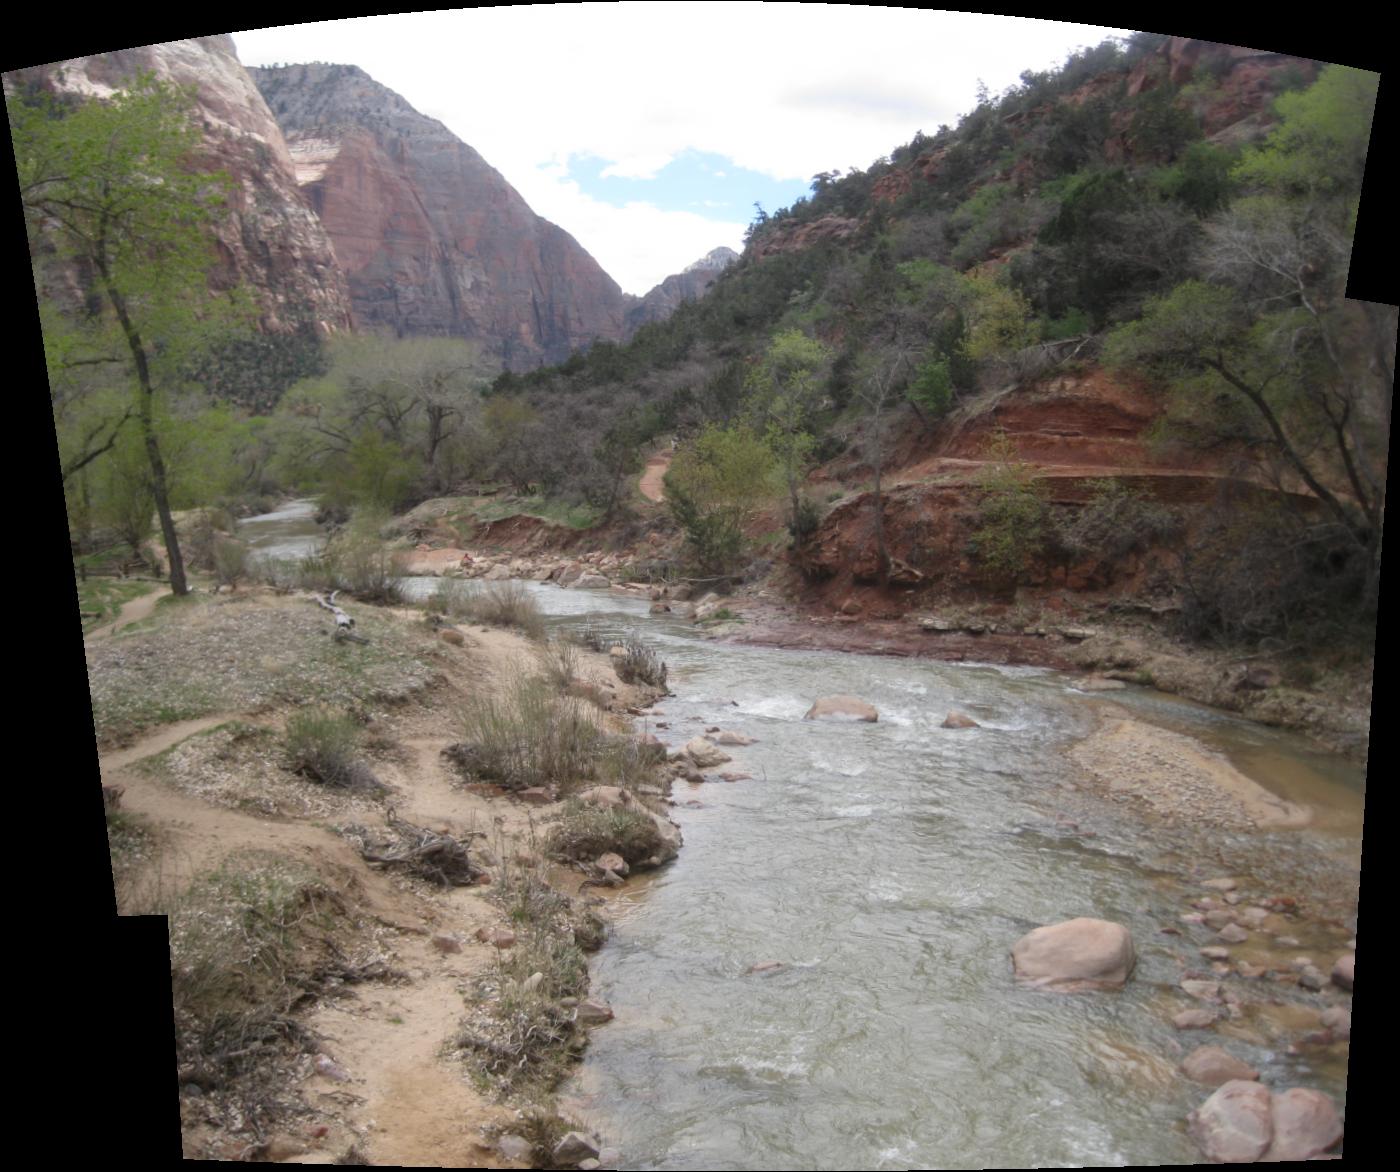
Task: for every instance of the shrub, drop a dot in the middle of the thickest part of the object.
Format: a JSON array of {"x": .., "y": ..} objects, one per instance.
[
  {"x": 639, "y": 662},
  {"x": 508, "y": 604},
  {"x": 558, "y": 659},
  {"x": 323, "y": 745},
  {"x": 1013, "y": 515},
  {"x": 230, "y": 561},
  {"x": 1117, "y": 521},
  {"x": 527, "y": 736}
]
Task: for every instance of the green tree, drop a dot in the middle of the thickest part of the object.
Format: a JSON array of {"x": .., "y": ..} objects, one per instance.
[
  {"x": 111, "y": 184},
  {"x": 714, "y": 488},
  {"x": 786, "y": 389}
]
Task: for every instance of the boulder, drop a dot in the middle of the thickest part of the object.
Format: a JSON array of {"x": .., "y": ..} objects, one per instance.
[
  {"x": 1235, "y": 1125},
  {"x": 704, "y": 754},
  {"x": 733, "y": 738},
  {"x": 1074, "y": 956},
  {"x": 1214, "y": 1067},
  {"x": 959, "y": 720},
  {"x": 611, "y": 861},
  {"x": 1344, "y": 971},
  {"x": 574, "y": 1148},
  {"x": 842, "y": 708},
  {"x": 515, "y": 1148},
  {"x": 593, "y": 1012},
  {"x": 1305, "y": 1124}
]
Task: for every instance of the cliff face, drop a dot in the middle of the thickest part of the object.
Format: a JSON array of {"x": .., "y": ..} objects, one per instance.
[
  {"x": 271, "y": 241},
  {"x": 432, "y": 239},
  {"x": 687, "y": 285}
]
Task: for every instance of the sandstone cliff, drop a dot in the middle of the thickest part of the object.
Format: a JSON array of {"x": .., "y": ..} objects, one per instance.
[
  {"x": 432, "y": 239},
  {"x": 687, "y": 285},
  {"x": 271, "y": 241}
]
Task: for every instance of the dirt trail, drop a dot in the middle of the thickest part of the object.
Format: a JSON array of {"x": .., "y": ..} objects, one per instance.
[
  {"x": 650, "y": 483},
  {"x": 130, "y": 612}
]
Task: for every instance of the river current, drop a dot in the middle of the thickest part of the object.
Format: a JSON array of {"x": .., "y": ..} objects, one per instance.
[{"x": 889, "y": 868}]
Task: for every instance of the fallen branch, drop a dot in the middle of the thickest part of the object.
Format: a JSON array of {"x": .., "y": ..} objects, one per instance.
[
  {"x": 343, "y": 621},
  {"x": 419, "y": 851}
]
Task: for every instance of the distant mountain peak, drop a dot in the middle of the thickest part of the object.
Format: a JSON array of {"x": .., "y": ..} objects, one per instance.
[{"x": 713, "y": 261}]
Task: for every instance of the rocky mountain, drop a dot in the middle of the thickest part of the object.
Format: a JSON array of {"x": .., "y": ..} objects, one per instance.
[
  {"x": 271, "y": 240},
  {"x": 687, "y": 285},
  {"x": 432, "y": 239}
]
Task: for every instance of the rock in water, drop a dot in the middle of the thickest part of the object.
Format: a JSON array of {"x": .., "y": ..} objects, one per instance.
[
  {"x": 1235, "y": 1125},
  {"x": 1306, "y": 1124},
  {"x": 1075, "y": 956},
  {"x": 959, "y": 720},
  {"x": 842, "y": 708},
  {"x": 1215, "y": 1067}
]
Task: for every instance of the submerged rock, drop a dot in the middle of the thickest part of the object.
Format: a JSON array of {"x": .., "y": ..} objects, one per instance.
[
  {"x": 1215, "y": 1067},
  {"x": 959, "y": 720},
  {"x": 842, "y": 708},
  {"x": 1075, "y": 956}
]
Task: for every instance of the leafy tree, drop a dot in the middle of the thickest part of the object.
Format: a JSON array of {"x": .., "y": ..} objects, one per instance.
[
  {"x": 786, "y": 390},
  {"x": 715, "y": 486},
  {"x": 999, "y": 320},
  {"x": 1014, "y": 514},
  {"x": 111, "y": 184}
]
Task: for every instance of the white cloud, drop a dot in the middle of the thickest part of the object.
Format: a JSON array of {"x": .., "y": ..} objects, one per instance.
[{"x": 782, "y": 89}]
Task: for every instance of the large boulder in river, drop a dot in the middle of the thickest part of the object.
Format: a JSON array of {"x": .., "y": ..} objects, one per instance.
[
  {"x": 1235, "y": 1125},
  {"x": 1306, "y": 1124},
  {"x": 1075, "y": 956},
  {"x": 704, "y": 754},
  {"x": 842, "y": 708}
]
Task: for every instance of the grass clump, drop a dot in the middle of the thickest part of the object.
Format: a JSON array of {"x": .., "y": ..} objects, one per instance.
[
  {"x": 558, "y": 660},
  {"x": 639, "y": 664},
  {"x": 583, "y": 832},
  {"x": 323, "y": 745},
  {"x": 497, "y": 604},
  {"x": 527, "y": 736}
]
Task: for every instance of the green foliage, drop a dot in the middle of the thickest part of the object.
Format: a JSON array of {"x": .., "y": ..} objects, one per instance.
[
  {"x": 931, "y": 388},
  {"x": 1013, "y": 515},
  {"x": 1320, "y": 143},
  {"x": 1161, "y": 126},
  {"x": 999, "y": 320},
  {"x": 583, "y": 832},
  {"x": 1201, "y": 179},
  {"x": 714, "y": 487}
]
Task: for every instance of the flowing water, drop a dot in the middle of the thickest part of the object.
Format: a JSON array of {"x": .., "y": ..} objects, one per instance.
[
  {"x": 889, "y": 867},
  {"x": 289, "y": 533}
]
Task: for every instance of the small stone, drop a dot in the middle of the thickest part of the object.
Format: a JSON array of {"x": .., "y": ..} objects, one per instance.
[
  {"x": 503, "y": 938},
  {"x": 764, "y": 966},
  {"x": 447, "y": 942},
  {"x": 1194, "y": 1019},
  {"x": 532, "y": 982},
  {"x": 1233, "y": 934},
  {"x": 611, "y": 861},
  {"x": 1221, "y": 884},
  {"x": 1312, "y": 978},
  {"x": 1215, "y": 952},
  {"x": 456, "y": 638},
  {"x": 1249, "y": 971},
  {"x": 1201, "y": 990},
  {"x": 1232, "y": 897},
  {"x": 1338, "y": 1020}
]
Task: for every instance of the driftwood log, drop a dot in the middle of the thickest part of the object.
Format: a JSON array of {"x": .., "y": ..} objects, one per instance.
[
  {"x": 419, "y": 851},
  {"x": 344, "y": 624}
]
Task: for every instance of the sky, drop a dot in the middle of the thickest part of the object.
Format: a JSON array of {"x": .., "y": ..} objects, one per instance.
[{"x": 649, "y": 131}]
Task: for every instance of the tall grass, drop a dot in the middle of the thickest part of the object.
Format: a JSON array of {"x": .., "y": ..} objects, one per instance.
[
  {"x": 496, "y": 604},
  {"x": 528, "y": 736}
]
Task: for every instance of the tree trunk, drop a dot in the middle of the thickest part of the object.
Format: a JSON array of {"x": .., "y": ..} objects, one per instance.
[{"x": 146, "y": 417}]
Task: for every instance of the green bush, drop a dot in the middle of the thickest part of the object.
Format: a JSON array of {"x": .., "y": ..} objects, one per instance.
[{"x": 1013, "y": 515}]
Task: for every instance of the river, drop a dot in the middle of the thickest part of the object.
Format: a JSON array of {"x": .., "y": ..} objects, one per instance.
[{"x": 889, "y": 868}]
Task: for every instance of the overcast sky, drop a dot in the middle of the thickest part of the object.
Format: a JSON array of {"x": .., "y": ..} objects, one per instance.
[{"x": 648, "y": 131}]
